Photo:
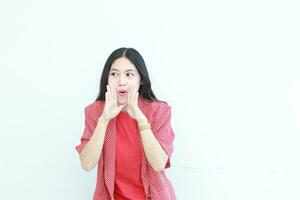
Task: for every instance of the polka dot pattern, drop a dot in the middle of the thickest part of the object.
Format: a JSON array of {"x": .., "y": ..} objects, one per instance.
[{"x": 156, "y": 184}]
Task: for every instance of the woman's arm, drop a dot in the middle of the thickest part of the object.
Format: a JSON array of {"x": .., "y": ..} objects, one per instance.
[
  {"x": 90, "y": 154},
  {"x": 155, "y": 154}
]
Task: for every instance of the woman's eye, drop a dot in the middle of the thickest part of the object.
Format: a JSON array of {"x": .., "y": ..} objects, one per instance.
[
  {"x": 113, "y": 74},
  {"x": 130, "y": 74}
]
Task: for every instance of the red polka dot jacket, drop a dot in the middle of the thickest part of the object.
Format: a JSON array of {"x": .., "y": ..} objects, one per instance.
[{"x": 156, "y": 184}]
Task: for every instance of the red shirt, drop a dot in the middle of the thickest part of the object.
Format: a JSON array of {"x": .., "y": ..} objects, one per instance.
[
  {"x": 128, "y": 182},
  {"x": 156, "y": 185}
]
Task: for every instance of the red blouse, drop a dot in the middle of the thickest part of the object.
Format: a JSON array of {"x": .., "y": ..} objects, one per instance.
[{"x": 128, "y": 182}]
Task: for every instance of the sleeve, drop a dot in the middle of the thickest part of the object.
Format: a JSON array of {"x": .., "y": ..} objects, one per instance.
[
  {"x": 90, "y": 126},
  {"x": 163, "y": 131}
]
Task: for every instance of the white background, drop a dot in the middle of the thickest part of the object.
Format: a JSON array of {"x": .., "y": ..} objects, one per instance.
[{"x": 229, "y": 69}]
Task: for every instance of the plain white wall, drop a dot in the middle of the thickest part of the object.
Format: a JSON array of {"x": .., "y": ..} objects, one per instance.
[{"x": 229, "y": 69}]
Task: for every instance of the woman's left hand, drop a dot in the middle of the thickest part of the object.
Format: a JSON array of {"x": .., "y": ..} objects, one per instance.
[{"x": 132, "y": 104}]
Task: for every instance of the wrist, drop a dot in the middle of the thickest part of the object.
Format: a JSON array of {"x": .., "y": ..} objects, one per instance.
[
  {"x": 103, "y": 120},
  {"x": 143, "y": 123},
  {"x": 144, "y": 126},
  {"x": 141, "y": 119},
  {"x": 140, "y": 116}
]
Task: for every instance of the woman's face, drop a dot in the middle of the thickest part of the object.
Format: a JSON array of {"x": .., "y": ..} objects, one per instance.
[{"x": 123, "y": 75}]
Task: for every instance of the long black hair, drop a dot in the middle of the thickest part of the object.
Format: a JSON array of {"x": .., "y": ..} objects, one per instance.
[{"x": 135, "y": 57}]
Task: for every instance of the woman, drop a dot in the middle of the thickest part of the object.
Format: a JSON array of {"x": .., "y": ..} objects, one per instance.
[{"x": 128, "y": 133}]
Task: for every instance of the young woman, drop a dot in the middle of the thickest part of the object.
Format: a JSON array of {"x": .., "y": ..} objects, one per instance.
[{"x": 128, "y": 133}]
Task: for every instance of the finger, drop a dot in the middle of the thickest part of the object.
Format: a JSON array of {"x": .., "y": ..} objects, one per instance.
[
  {"x": 107, "y": 90},
  {"x": 120, "y": 107},
  {"x": 113, "y": 92},
  {"x": 132, "y": 93},
  {"x": 112, "y": 96},
  {"x": 106, "y": 97},
  {"x": 137, "y": 94},
  {"x": 136, "y": 89},
  {"x": 128, "y": 96}
]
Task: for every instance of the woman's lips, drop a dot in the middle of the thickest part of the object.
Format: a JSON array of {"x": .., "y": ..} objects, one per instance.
[{"x": 122, "y": 93}]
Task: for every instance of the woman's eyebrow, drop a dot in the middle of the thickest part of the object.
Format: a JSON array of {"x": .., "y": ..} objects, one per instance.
[{"x": 114, "y": 69}]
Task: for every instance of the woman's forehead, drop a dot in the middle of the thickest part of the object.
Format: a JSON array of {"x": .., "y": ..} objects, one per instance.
[{"x": 123, "y": 64}]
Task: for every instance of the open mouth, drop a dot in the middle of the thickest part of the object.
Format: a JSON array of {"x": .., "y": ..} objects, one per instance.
[{"x": 122, "y": 93}]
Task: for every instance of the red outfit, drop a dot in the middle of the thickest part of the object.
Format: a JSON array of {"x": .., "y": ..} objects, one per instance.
[
  {"x": 155, "y": 184},
  {"x": 128, "y": 182}
]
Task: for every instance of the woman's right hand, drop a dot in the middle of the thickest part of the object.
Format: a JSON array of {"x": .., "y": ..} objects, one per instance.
[{"x": 111, "y": 108}]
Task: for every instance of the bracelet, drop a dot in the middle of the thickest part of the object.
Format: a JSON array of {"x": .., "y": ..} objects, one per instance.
[{"x": 145, "y": 126}]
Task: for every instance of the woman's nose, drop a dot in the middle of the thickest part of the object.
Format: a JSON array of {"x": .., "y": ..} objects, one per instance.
[{"x": 122, "y": 81}]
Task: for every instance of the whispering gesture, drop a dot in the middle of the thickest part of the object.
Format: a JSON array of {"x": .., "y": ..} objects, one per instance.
[{"x": 111, "y": 108}]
